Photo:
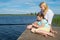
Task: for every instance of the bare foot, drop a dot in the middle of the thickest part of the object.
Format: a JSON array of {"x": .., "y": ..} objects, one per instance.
[
  {"x": 55, "y": 32},
  {"x": 53, "y": 35},
  {"x": 50, "y": 34}
]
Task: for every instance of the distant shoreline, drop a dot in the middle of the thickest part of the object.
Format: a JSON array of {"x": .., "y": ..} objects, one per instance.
[
  {"x": 17, "y": 15},
  {"x": 22, "y": 14}
]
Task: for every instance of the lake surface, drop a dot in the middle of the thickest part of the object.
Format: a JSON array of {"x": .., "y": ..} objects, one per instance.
[{"x": 12, "y": 32}]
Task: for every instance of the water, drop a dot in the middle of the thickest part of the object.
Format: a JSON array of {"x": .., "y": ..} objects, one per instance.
[
  {"x": 12, "y": 32},
  {"x": 16, "y": 19}
]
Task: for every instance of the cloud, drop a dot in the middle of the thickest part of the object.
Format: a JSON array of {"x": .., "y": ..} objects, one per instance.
[
  {"x": 25, "y": 6},
  {"x": 29, "y": 3},
  {"x": 14, "y": 11}
]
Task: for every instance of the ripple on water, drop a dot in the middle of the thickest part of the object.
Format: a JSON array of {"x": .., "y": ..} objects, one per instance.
[{"x": 11, "y": 32}]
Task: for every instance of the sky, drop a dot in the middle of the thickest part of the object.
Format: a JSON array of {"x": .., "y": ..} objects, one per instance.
[{"x": 27, "y": 6}]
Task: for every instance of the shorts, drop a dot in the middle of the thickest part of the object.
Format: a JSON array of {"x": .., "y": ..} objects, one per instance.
[
  {"x": 43, "y": 29},
  {"x": 38, "y": 29}
]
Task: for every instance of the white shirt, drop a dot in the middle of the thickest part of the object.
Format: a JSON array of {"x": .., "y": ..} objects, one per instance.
[{"x": 49, "y": 16}]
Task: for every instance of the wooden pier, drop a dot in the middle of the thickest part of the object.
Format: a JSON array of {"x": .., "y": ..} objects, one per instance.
[{"x": 28, "y": 35}]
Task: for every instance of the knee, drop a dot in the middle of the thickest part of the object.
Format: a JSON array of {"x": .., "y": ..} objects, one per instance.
[{"x": 29, "y": 27}]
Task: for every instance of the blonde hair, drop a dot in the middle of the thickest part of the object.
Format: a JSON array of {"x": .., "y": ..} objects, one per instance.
[{"x": 46, "y": 7}]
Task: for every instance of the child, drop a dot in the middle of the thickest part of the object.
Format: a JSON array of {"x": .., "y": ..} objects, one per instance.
[{"x": 41, "y": 26}]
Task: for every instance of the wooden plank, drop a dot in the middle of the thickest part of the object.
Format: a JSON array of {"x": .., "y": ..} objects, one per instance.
[{"x": 28, "y": 35}]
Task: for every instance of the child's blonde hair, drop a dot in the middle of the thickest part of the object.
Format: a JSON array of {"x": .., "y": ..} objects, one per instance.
[{"x": 46, "y": 7}]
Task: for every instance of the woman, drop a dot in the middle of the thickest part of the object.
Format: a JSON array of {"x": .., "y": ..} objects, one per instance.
[{"x": 48, "y": 14}]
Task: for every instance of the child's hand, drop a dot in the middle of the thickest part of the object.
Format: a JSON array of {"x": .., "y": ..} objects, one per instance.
[{"x": 35, "y": 25}]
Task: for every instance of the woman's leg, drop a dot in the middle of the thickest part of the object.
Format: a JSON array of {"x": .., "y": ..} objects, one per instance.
[
  {"x": 51, "y": 34},
  {"x": 45, "y": 33},
  {"x": 29, "y": 27},
  {"x": 42, "y": 32}
]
